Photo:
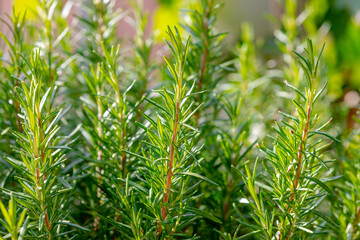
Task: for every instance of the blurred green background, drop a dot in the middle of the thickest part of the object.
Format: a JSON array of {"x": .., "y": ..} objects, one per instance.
[{"x": 278, "y": 28}]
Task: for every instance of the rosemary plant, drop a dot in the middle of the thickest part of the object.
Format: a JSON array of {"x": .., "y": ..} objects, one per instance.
[
  {"x": 206, "y": 50},
  {"x": 291, "y": 34},
  {"x": 142, "y": 64},
  {"x": 12, "y": 67},
  {"x": 42, "y": 154},
  {"x": 208, "y": 68},
  {"x": 253, "y": 82},
  {"x": 167, "y": 162},
  {"x": 47, "y": 11},
  {"x": 98, "y": 26},
  {"x": 125, "y": 161},
  {"x": 113, "y": 125},
  {"x": 98, "y": 33},
  {"x": 10, "y": 107},
  {"x": 172, "y": 148},
  {"x": 346, "y": 211},
  {"x": 293, "y": 188},
  {"x": 234, "y": 146},
  {"x": 288, "y": 38}
]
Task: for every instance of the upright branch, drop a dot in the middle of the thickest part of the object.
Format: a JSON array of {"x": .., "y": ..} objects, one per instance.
[
  {"x": 296, "y": 162},
  {"x": 99, "y": 30},
  {"x": 43, "y": 194},
  {"x": 310, "y": 70},
  {"x": 142, "y": 63},
  {"x": 168, "y": 161},
  {"x": 17, "y": 28},
  {"x": 205, "y": 45},
  {"x": 119, "y": 115},
  {"x": 95, "y": 82},
  {"x": 206, "y": 49},
  {"x": 233, "y": 140},
  {"x": 53, "y": 38},
  {"x": 177, "y": 70}
]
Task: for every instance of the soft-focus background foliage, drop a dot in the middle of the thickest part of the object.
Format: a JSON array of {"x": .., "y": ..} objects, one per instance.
[{"x": 338, "y": 21}]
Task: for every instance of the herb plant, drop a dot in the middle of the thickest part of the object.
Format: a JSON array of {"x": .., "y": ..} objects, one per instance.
[
  {"x": 102, "y": 139},
  {"x": 294, "y": 166}
]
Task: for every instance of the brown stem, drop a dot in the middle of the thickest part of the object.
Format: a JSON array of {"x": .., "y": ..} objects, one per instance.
[
  {"x": 42, "y": 155},
  {"x": 299, "y": 159},
  {"x": 47, "y": 220},
  {"x": 170, "y": 166},
  {"x": 356, "y": 221},
  {"x": 288, "y": 237},
  {"x": 42, "y": 138},
  {"x": 302, "y": 145}
]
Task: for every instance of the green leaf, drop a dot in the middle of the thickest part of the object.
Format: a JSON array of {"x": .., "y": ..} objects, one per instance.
[
  {"x": 321, "y": 91},
  {"x": 23, "y": 229},
  {"x": 5, "y": 213},
  {"x": 64, "y": 182},
  {"x": 197, "y": 176},
  {"x": 72, "y": 225},
  {"x": 301, "y": 111},
  {"x": 305, "y": 229},
  {"x": 295, "y": 89},
  {"x": 326, "y": 218},
  {"x": 326, "y": 135},
  {"x": 321, "y": 184},
  {"x": 204, "y": 214},
  {"x": 159, "y": 106}
]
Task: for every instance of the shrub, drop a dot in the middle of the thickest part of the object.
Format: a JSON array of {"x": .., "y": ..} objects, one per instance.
[{"x": 101, "y": 139}]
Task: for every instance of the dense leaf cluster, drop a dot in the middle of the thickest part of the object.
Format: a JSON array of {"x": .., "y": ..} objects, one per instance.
[{"x": 101, "y": 139}]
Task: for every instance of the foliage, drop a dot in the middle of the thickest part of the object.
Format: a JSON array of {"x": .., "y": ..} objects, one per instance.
[
  {"x": 16, "y": 226},
  {"x": 295, "y": 164},
  {"x": 101, "y": 139}
]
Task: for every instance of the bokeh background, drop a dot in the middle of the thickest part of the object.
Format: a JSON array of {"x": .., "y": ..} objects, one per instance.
[{"x": 164, "y": 12}]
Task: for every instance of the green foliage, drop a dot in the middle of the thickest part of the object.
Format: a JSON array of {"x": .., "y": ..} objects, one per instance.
[
  {"x": 12, "y": 68},
  {"x": 141, "y": 65},
  {"x": 16, "y": 226},
  {"x": 41, "y": 153},
  {"x": 166, "y": 165},
  {"x": 100, "y": 139},
  {"x": 98, "y": 25},
  {"x": 293, "y": 187},
  {"x": 346, "y": 211}
]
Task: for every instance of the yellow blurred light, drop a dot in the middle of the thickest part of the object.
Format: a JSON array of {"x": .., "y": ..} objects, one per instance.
[
  {"x": 166, "y": 15},
  {"x": 26, "y": 5}
]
